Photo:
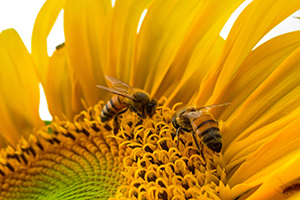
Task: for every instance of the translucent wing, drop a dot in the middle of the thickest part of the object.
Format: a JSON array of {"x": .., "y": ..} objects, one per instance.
[
  {"x": 207, "y": 108},
  {"x": 119, "y": 85},
  {"x": 117, "y": 92},
  {"x": 192, "y": 114},
  {"x": 198, "y": 112}
]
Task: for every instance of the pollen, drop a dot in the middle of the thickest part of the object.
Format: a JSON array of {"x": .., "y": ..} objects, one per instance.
[
  {"x": 154, "y": 168},
  {"x": 84, "y": 159}
]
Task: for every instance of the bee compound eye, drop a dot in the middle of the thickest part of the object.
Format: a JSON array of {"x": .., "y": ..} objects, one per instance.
[{"x": 150, "y": 109}]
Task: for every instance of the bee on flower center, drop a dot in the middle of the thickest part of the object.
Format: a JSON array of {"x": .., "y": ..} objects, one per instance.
[
  {"x": 136, "y": 100},
  {"x": 202, "y": 124}
]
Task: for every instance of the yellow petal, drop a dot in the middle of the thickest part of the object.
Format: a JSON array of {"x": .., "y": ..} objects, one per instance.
[
  {"x": 276, "y": 153},
  {"x": 160, "y": 36},
  {"x": 256, "y": 68},
  {"x": 176, "y": 30},
  {"x": 274, "y": 98},
  {"x": 249, "y": 29},
  {"x": 42, "y": 27},
  {"x": 204, "y": 33},
  {"x": 180, "y": 29},
  {"x": 282, "y": 183},
  {"x": 120, "y": 36},
  {"x": 84, "y": 29},
  {"x": 258, "y": 65},
  {"x": 240, "y": 150},
  {"x": 61, "y": 87},
  {"x": 190, "y": 83},
  {"x": 255, "y": 21},
  {"x": 19, "y": 94},
  {"x": 295, "y": 195}
]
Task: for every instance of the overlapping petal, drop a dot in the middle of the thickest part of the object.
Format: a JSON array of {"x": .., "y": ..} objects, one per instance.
[
  {"x": 120, "y": 37},
  {"x": 258, "y": 66},
  {"x": 180, "y": 43},
  {"x": 62, "y": 91},
  {"x": 270, "y": 74},
  {"x": 178, "y": 53},
  {"x": 42, "y": 27},
  {"x": 123, "y": 53},
  {"x": 255, "y": 21},
  {"x": 19, "y": 93},
  {"x": 84, "y": 28},
  {"x": 282, "y": 182}
]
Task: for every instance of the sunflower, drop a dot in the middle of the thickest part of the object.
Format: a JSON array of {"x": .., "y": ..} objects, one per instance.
[{"x": 178, "y": 57}]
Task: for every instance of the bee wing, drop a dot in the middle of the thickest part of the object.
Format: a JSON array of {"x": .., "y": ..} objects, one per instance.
[
  {"x": 119, "y": 85},
  {"x": 198, "y": 112},
  {"x": 207, "y": 108},
  {"x": 117, "y": 92},
  {"x": 192, "y": 114}
]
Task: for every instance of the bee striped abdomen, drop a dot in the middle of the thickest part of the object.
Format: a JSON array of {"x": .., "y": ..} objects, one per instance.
[
  {"x": 207, "y": 129},
  {"x": 113, "y": 107},
  {"x": 203, "y": 124}
]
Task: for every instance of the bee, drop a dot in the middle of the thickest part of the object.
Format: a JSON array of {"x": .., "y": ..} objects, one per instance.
[
  {"x": 135, "y": 99},
  {"x": 60, "y": 46},
  {"x": 200, "y": 123},
  {"x": 290, "y": 189}
]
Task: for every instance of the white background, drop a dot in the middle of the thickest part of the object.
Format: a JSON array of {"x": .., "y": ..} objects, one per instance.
[{"x": 21, "y": 15}]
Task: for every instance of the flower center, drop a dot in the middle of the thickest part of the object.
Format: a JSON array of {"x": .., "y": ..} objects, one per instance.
[
  {"x": 154, "y": 168},
  {"x": 84, "y": 159}
]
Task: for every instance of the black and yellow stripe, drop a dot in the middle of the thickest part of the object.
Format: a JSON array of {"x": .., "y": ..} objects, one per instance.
[
  {"x": 113, "y": 107},
  {"x": 206, "y": 127}
]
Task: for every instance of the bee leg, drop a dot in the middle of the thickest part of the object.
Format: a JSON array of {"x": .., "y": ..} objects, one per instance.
[
  {"x": 116, "y": 121},
  {"x": 136, "y": 111},
  {"x": 198, "y": 145},
  {"x": 177, "y": 134},
  {"x": 196, "y": 141}
]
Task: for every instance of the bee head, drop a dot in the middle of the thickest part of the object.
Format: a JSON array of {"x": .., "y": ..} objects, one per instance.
[
  {"x": 151, "y": 107},
  {"x": 144, "y": 106}
]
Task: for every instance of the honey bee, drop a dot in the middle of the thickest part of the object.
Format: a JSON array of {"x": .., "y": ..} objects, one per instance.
[
  {"x": 201, "y": 123},
  {"x": 290, "y": 189},
  {"x": 135, "y": 99}
]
